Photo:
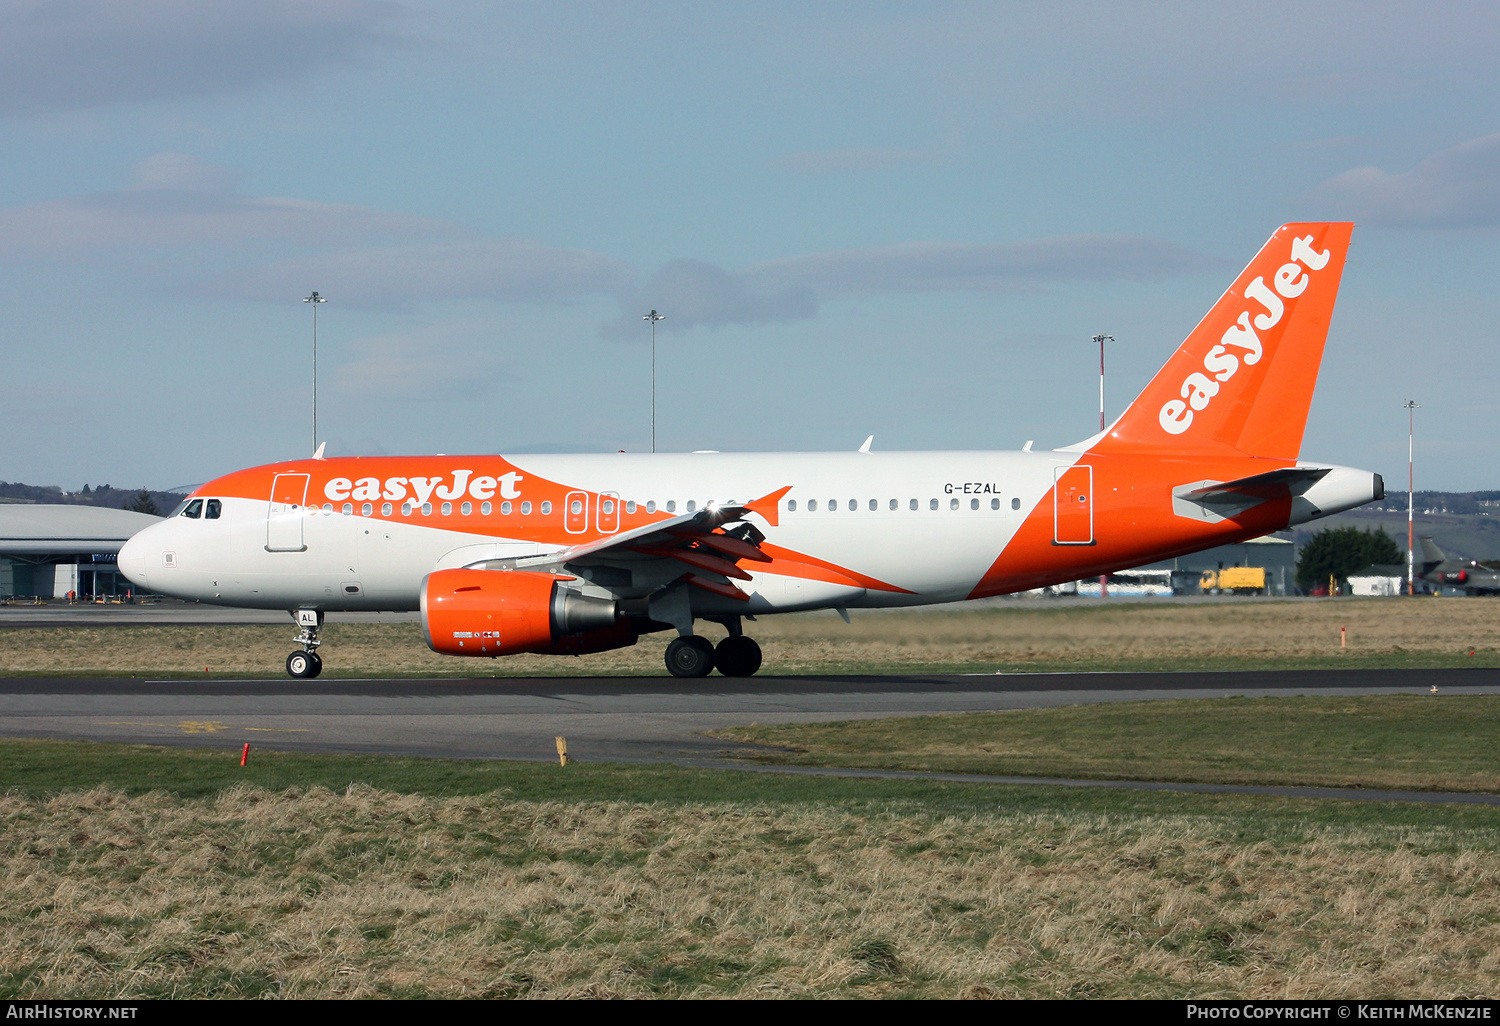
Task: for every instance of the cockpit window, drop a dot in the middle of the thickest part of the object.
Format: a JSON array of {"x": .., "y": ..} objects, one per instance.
[
  {"x": 194, "y": 509},
  {"x": 213, "y": 510}
]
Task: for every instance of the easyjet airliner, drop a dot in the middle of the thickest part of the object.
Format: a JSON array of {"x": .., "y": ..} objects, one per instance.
[{"x": 574, "y": 554}]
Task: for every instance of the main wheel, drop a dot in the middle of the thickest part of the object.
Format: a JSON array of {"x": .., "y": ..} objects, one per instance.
[
  {"x": 690, "y": 657},
  {"x": 737, "y": 657},
  {"x": 303, "y": 665}
]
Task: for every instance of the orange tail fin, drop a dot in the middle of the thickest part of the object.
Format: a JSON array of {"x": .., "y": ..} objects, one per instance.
[{"x": 1242, "y": 381}]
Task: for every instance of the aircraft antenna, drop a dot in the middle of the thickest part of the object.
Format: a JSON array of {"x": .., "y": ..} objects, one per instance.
[{"x": 315, "y": 299}]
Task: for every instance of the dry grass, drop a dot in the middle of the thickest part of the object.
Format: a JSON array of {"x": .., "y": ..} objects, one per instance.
[
  {"x": 320, "y": 894},
  {"x": 1012, "y": 636}
]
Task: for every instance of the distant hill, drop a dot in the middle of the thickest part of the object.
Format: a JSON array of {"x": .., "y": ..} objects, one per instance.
[
  {"x": 104, "y": 495},
  {"x": 1464, "y": 524}
]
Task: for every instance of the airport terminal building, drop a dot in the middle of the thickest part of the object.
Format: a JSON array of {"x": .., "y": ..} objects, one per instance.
[{"x": 47, "y": 551}]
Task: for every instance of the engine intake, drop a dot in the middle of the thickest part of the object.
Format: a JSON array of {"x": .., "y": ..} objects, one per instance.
[{"x": 498, "y": 612}]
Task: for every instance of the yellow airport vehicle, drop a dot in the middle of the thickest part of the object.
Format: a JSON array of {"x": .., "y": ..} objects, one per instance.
[{"x": 1242, "y": 580}]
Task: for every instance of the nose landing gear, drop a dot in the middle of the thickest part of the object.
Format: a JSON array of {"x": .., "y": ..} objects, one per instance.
[{"x": 305, "y": 664}]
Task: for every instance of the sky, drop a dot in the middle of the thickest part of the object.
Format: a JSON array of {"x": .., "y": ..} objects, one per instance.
[{"x": 899, "y": 219}]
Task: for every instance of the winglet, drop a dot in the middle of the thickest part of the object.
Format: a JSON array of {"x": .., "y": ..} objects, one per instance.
[{"x": 769, "y": 506}]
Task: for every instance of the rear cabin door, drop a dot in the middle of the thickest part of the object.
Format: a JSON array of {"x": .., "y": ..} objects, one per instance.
[
  {"x": 1073, "y": 506},
  {"x": 286, "y": 513}
]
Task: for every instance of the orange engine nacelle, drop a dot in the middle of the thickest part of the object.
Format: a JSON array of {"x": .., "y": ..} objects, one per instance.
[{"x": 501, "y": 612}]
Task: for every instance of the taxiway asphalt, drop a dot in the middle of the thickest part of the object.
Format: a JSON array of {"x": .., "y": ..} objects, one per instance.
[{"x": 630, "y": 719}]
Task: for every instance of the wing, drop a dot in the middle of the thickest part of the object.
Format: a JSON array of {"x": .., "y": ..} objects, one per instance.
[{"x": 703, "y": 549}]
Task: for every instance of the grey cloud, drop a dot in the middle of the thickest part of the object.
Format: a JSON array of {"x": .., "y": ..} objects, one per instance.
[
  {"x": 964, "y": 267},
  {"x": 76, "y": 54},
  {"x": 420, "y": 366},
  {"x": 182, "y": 201},
  {"x": 400, "y": 276},
  {"x": 693, "y": 293},
  {"x": 1454, "y": 188},
  {"x": 699, "y": 293}
]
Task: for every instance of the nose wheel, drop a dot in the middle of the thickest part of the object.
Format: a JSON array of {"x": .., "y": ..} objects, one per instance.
[{"x": 304, "y": 665}]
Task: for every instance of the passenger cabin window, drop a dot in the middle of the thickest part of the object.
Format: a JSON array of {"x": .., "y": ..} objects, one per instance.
[
  {"x": 194, "y": 509},
  {"x": 953, "y": 504},
  {"x": 212, "y": 509},
  {"x": 650, "y": 505},
  {"x": 385, "y": 509},
  {"x": 630, "y": 506},
  {"x": 812, "y": 505},
  {"x": 505, "y": 508},
  {"x": 692, "y": 505},
  {"x": 671, "y": 505},
  {"x": 427, "y": 509},
  {"x": 973, "y": 503},
  {"x": 914, "y": 504},
  {"x": 466, "y": 508},
  {"x": 348, "y": 508},
  {"x": 932, "y": 504},
  {"x": 447, "y": 509},
  {"x": 791, "y": 505},
  {"x": 526, "y": 508},
  {"x": 484, "y": 509},
  {"x": 1015, "y": 503},
  {"x": 546, "y": 508}
]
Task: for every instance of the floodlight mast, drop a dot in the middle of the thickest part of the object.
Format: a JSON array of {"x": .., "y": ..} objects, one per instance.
[
  {"x": 1411, "y": 406},
  {"x": 653, "y": 317},
  {"x": 1101, "y": 339},
  {"x": 315, "y": 299}
]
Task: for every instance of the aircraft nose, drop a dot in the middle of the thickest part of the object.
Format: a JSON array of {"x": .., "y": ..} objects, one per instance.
[{"x": 132, "y": 559}]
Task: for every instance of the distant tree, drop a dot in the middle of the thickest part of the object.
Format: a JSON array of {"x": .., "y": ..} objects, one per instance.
[
  {"x": 144, "y": 504},
  {"x": 1341, "y": 551}
]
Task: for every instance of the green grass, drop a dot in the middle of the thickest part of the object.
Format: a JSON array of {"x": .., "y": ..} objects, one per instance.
[
  {"x": 1383, "y": 741},
  {"x": 38, "y": 768}
]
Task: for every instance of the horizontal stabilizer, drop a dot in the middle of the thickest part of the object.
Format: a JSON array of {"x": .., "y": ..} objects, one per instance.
[{"x": 1223, "y": 500}]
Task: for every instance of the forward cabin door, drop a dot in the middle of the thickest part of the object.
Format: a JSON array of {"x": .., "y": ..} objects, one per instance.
[
  {"x": 1073, "y": 506},
  {"x": 286, "y": 513}
]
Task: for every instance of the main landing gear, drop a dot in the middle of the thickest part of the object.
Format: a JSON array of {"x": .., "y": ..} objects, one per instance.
[
  {"x": 305, "y": 664},
  {"x": 695, "y": 656}
]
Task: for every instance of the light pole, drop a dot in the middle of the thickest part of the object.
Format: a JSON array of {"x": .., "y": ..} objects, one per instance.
[
  {"x": 1411, "y": 406},
  {"x": 1101, "y": 339},
  {"x": 653, "y": 317},
  {"x": 315, "y": 299}
]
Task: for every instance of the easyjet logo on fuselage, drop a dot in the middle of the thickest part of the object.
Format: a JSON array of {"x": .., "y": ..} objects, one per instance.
[
  {"x": 454, "y": 485},
  {"x": 1240, "y": 344}
]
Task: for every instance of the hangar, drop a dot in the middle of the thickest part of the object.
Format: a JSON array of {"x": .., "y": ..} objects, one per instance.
[{"x": 47, "y": 551}]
